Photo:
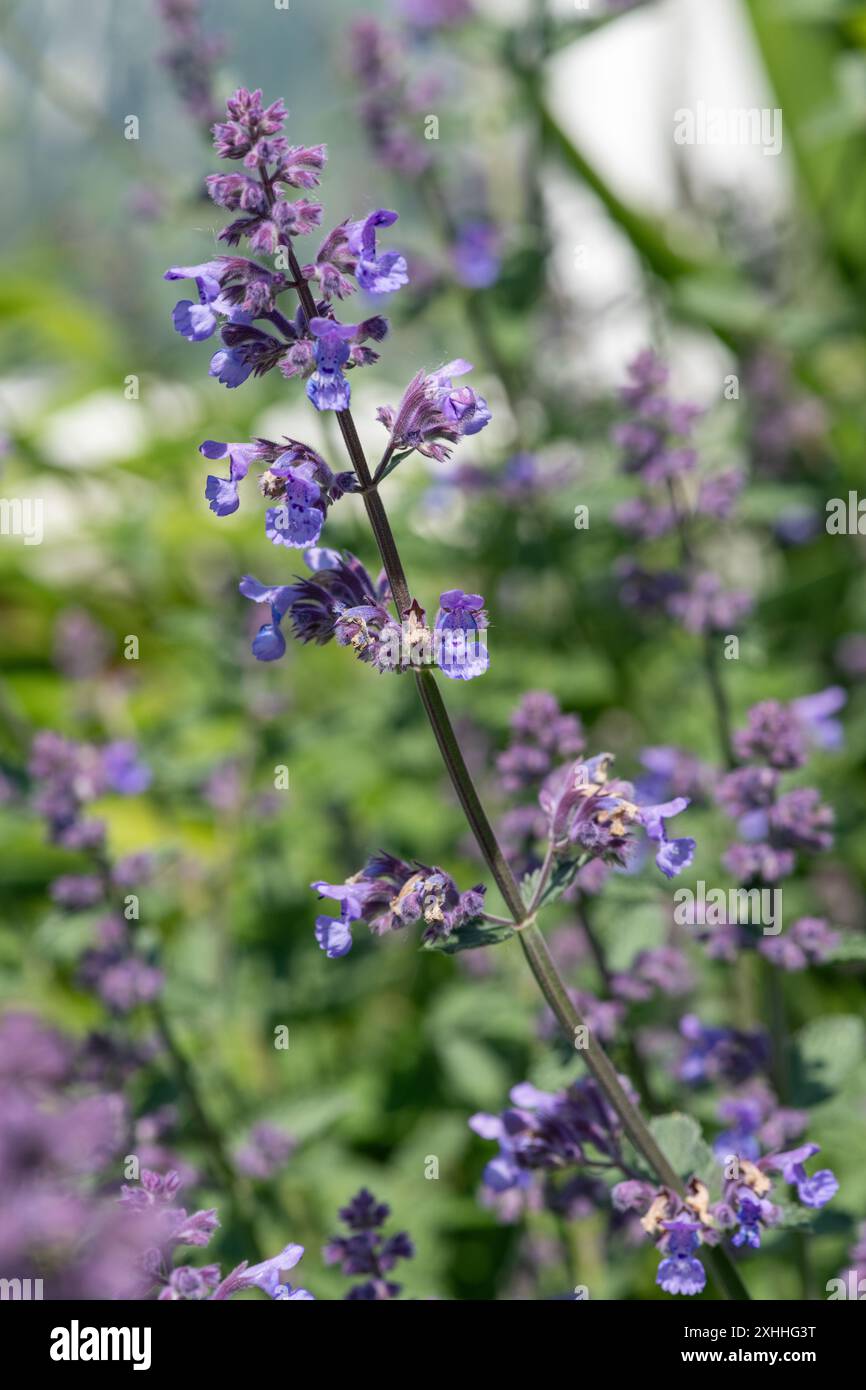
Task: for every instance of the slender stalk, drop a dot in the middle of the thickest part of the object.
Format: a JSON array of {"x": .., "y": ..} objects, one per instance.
[
  {"x": 635, "y": 1061},
  {"x": 721, "y": 705},
  {"x": 532, "y": 941}
]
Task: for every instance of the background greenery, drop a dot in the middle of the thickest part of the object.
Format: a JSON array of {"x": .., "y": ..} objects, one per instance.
[{"x": 392, "y": 1049}]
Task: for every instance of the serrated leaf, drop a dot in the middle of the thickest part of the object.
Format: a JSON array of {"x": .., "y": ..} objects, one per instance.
[
  {"x": 681, "y": 1141},
  {"x": 529, "y": 885},
  {"x": 562, "y": 875},
  {"x": 470, "y": 937}
]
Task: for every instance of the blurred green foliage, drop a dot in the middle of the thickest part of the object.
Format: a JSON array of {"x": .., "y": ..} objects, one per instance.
[{"x": 393, "y": 1048}]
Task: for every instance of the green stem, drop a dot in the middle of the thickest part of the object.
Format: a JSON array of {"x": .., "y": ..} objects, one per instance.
[{"x": 532, "y": 942}]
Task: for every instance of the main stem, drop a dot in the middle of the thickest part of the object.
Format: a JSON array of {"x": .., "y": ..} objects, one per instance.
[{"x": 532, "y": 941}]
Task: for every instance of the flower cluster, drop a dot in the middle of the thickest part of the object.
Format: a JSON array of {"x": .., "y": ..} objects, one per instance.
[
  {"x": 67, "y": 776},
  {"x": 241, "y": 296},
  {"x": 434, "y": 413},
  {"x": 681, "y": 1224},
  {"x": 657, "y": 450},
  {"x": 541, "y": 738},
  {"x": 265, "y": 1152},
  {"x": 544, "y": 1132},
  {"x": 341, "y": 601},
  {"x": 436, "y": 14},
  {"x": 775, "y": 825},
  {"x": 720, "y": 1054},
  {"x": 391, "y": 103},
  {"x": 785, "y": 420},
  {"x": 171, "y": 1226},
  {"x": 57, "y": 1135},
  {"x": 388, "y": 894},
  {"x": 366, "y": 1250},
  {"x": 590, "y": 815},
  {"x": 190, "y": 57},
  {"x": 755, "y": 1121}
]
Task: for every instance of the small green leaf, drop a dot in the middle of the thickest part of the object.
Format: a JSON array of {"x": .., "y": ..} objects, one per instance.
[
  {"x": 681, "y": 1141},
  {"x": 562, "y": 875},
  {"x": 470, "y": 937}
]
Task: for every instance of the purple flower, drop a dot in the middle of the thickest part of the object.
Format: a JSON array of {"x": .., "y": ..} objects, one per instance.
[
  {"x": 461, "y": 625},
  {"x": 388, "y": 894},
  {"x": 377, "y": 274},
  {"x": 435, "y": 14},
  {"x": 269, "y": 644},
  {"x": 714, "y": 1054},
  {"x": 773, "y": 734},
  {"x": 265, "y": 1153},
  {"x": 541, "y": 735},
  {"x": 222, "y": 493},
  {"x": 190, "y": 1285},
  {"x": 585, "y": 809},
  {"x": 191, "y": 57},
  {"x": 808, "y": 941},
  {"x": 460, "y": 405},
  {"x": 269, "y": 1276},
  {"x": 673, "y": 772},
  {"x": 680, "y": 1271},
  {"x": 815, "y": 714},
  {"x": 128, "y": 983},
  {"x": 249, "y": 122},
  {"x": 433, "y": 414},
  {"x": 649, "y": 439},
  {"x": 546, "y": 1130},
  {"x": 799, "y": 820},
  {"x": 77, "y": 892},
  {"x": 230, "y": 366},
  {"x": 315, "y": 605},
  {"x": 366, "y": 1250},
  {"x": 752, "y": 1212},
  {"x": 747, "y": 789},
  {"x": 814, "y": 1191},
  {"x": 672, "y": 856},
  {"x": 198, "y": 321},
  {"x": 390, "y": 94},
  {"x": 476, "y": 254},
  {"x": 707, "y": 607},
  {"x": 327, "y": 388},
  {"x": 757, "y": 863},
  {"x": 298, "y": 520},
  {"x": 124, "y": 772},
  {"x": 663, "y": 969}
]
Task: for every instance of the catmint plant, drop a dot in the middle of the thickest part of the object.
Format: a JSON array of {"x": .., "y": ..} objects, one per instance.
[
  {"x": 586, "y": 814},
  {"x": 366, "y": 1250}
]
